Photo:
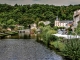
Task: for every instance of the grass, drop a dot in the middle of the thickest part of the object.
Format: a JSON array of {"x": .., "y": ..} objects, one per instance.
[{"x": 58, "y": 44}]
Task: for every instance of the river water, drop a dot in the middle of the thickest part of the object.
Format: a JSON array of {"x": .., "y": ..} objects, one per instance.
[{"x": 25, "y": 49}]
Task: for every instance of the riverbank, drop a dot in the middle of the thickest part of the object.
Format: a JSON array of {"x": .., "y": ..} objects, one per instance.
[
  {"x": 57, "y": 47},
  {"x": 7, "y": 33},
  {"x": 69, "y": 49}
]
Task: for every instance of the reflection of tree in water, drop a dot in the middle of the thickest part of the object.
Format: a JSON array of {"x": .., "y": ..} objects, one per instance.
[{"x": 27, "y": 36}]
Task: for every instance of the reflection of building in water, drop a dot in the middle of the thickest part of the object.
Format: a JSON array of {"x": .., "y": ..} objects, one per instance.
[
  {"x": 8, "y": 36},
  {"x": 24, "y": 31},
  {"x": 63, "y": 23},
  {"x": 9, "y": 29}
]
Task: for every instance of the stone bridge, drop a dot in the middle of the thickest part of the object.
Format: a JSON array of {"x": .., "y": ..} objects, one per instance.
[{"x": 24, "y": 31}]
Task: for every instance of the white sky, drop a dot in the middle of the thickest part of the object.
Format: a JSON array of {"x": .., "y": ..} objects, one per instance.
[{"x": 51, "y": 2}]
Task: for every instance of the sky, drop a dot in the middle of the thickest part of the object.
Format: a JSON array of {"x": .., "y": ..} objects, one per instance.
[{"x": 50, "y": 2}]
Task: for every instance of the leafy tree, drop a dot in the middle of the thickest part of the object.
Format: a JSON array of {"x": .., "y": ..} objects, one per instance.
[
  {"x": 22, "y": 13},
  {"x": 46, "y": 34},
  {"x": 11, "y": 22},
  {"x": 41, "y": 24}
]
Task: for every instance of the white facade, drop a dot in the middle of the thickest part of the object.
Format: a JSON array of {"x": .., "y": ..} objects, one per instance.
[
  {"x": 62, "y": 23},
  {"x": 33, "y": 26}
]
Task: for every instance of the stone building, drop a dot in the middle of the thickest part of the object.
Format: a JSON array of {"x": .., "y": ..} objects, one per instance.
[
  {"x": 76, "y": 17},
  {"x": 63, "y": 23}
]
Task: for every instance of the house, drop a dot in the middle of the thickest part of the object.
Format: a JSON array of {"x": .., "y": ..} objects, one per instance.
[
  {"x": 45, "y": 22},
  {"x": 63, "y": 23},
  {"x": 76, "y": 17},
  {"x": 33, "y": 26}
]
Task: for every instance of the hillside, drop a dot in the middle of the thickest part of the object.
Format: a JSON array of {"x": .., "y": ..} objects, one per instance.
[{"x": 27, "y": 14}]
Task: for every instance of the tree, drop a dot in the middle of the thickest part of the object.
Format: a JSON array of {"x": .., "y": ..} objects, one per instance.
[
  {"x": 21, "y": 13},
  {"x": 49, "y": 16},
  {"x": 46, "y": 34},
  {"x": 11, "y": 22},
  {"x": 41, "y": 24}
]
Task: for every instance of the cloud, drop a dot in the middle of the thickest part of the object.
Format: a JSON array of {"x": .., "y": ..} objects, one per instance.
[
  {"x": 36, "y": 0},
  {"x": 51, "y": 2}
]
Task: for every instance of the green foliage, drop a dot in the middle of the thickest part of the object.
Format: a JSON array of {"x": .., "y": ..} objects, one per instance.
[
  {"x": 41, "y": 24},
  {"x": 46, "y": 34},
  {"x": 49, "y": 35},
  {"x": 10, "y": 22},
  {"x": 72, "y": 49},
  {"x": 58, "y": 44},
  {"x": 4, "y": 26},
  {"x": 53, "y": 38},
  {"x": 21, "y": 14},
  {"x": 61, "y": 27},
  {"x": 12, "y": 27},
  {"x": 78, "y": 28},
  {"x": 55, "y": 28},
  {"x": 0, "y": 29}
]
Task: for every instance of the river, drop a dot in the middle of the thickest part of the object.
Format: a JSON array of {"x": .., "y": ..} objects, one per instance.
[{"x": 25, "y": 49}]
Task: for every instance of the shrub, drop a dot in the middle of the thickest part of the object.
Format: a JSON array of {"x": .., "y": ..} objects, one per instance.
[
  {"x": 52, "y": 37},
  {"x": 46, "y": 35},
  {"x": 58, "y": 45},
  {"x": 12, "y": 27},
  {"x": 4, "y": 26},
  {"x": 72, "y": 49},
  {"x": 41, "y": 24}
]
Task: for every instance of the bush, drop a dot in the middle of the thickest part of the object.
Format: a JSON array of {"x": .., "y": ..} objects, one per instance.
[
  {"x": 72, "y": 49},
  {"x": 46, "y": 35},
  {"x": 58, "y": 45},
  {"x": 41, "y": 24},
  {"x": 55, "y": 28},
  {"x": 52, "y": 38},
  {"x": 4, "y": 26},
  {"x": 12, "y": 27}
]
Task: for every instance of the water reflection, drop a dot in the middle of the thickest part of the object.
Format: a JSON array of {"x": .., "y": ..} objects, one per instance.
[
  {"x": 20, "y": 36},
  {"x": 25, "y": 49},
  {"x": 22, "y": 46}
]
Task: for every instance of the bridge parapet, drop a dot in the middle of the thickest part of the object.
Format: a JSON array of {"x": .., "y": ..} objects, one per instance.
[{"x": 24, "y": 31}]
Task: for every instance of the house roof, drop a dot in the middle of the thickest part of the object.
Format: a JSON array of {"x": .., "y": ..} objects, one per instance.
[{"x": 66, "y": 21}]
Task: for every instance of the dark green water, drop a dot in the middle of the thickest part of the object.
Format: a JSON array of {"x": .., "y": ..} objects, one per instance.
[
  {"x": 20, "y": 36},
  {"x": 24, "y": 47}
]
